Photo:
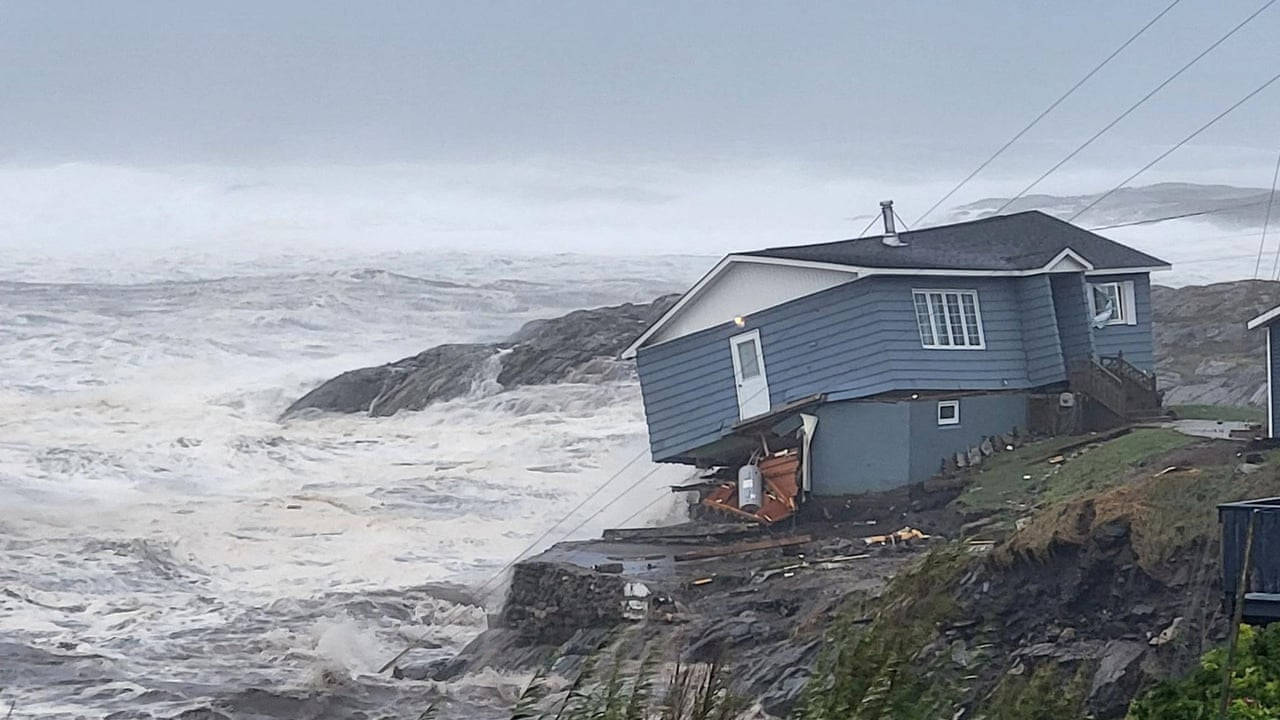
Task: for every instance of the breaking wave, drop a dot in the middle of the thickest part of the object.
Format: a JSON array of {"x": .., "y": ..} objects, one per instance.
[{"x": 168, "y": 544}]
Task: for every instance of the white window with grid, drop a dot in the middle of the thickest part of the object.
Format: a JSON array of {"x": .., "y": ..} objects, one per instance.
[{"x": 949, "y": 319}]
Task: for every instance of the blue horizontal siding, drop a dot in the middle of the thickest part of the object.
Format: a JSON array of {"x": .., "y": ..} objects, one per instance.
[
  {"x": 1071, "y": 306},
  {"x": 1040, "y": 339},
  {"x": 860, "y": 339},
  {"x": 856, "y": 339},
  {"x": 1133, "y": 340}
]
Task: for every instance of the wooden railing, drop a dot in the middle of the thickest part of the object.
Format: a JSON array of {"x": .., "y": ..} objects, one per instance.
[
  {"x": 1115, "y": 384},
  {"x": 1141, "y": 385},
  {"x": 1099, "y": 383}
]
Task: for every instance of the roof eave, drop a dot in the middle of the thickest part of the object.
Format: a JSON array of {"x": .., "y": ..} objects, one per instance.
[{"x": 1265, "y": 318}]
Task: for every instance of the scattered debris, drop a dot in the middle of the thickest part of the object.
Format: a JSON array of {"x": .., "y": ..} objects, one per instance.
[
  {"x": 906, "y": 534},
  {"x": 1057, "y": 460},
  {"x": 781, "y": 474},
  {"x": 743, "y": 547},
  {"x": 1168, "y": 633},
  {"x": 703, "y": 581},
  {"x": 635, "y": 604}
]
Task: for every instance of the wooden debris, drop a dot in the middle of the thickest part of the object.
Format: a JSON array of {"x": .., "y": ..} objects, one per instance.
[
  {"x": 906, "y": 534},
  {"x": 703, "y": 581},
  {"x": 742, "y": 547},
  {"x": 1057, "y": 460}
]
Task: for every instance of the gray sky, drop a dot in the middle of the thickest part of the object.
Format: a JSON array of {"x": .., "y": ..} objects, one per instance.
[
  {"x": 660, "y": 123},
  {"x": 845, "y": 84}
]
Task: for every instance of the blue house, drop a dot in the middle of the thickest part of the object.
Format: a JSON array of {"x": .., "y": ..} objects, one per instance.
[{"x": 881, "y": 358}]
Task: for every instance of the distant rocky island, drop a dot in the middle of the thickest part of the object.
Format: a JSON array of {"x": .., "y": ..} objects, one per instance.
[{"x": 1204, "y": 355}]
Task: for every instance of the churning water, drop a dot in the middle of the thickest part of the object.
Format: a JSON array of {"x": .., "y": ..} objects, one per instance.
[{"x": 166, "y": 542}]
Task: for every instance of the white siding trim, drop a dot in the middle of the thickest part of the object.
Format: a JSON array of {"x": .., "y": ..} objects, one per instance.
[
  {"x": 1130, "y": 302},
  {"x": 1264, "y": 318},
  {"x": 1271, "y": 408}
]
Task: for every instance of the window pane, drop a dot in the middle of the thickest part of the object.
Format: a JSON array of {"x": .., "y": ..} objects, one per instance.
[
  {"x": 971, "y": 318},
  {"x": 954, "y": 319},
  {"x": 922, "y": 318},
  {"x": 946, "y": 412},
  {"x": 939, "y": 315},
  {"x": 747, "y": 359},
  {"x": 1108, "y": 296}
]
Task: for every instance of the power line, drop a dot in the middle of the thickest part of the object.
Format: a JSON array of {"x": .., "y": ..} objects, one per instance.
[
  {"x": 1136, "y": 105},
  {"x": 1045, "y": 112},
  {"x": 1182, "y": 142},
  {"x": 1266, "y": 221},
  {"x": 1179, "y": 216}
]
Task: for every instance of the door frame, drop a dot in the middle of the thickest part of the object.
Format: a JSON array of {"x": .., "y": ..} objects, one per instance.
[{"x": 738, "y": 380}]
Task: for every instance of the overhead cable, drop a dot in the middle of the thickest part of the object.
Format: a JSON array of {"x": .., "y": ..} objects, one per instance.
[{"x": 1052, "y": 106}]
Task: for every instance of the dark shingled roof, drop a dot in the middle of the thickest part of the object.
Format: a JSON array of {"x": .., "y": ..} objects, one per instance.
[{"x": 1021, "y": 241}]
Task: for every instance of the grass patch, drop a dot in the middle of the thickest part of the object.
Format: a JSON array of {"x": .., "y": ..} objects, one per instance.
[
  {"x": 1002, "y": 484},
  {"x": 872, "y": 669},
  {"x": 1228, "y": 413},
  {"x": 1164, "y": 515}
]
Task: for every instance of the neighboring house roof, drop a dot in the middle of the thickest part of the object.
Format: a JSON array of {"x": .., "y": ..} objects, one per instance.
[
  {"x": 1265, "y": 318},
  {"x": 1020, "y": 244},
  {"x": 1021, "y": 241}
]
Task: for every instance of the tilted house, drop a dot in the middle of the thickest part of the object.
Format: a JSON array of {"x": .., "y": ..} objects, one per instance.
[{"x": 888, "y": 355}]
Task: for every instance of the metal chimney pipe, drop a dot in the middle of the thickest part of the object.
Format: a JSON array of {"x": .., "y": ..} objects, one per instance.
[{"x": 890, "y": 238}]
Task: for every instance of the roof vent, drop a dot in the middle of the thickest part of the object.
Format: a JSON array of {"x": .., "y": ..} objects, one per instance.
[{"x": 890, "y": 238}]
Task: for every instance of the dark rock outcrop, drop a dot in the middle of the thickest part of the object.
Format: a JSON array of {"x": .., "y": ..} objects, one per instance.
[
  {"x": 579, "y": 347},
  {"x": 1203, "y": 352}
]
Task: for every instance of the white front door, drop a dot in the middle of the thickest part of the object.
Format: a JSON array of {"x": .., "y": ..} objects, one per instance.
[{"x": 748, "y": 373}]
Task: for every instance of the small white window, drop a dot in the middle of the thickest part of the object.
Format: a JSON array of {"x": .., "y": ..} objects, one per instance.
[
  {"x": 949, "y": 319},
  {"x": 949, "y": 412},
  {"x": 1112, "y": 303}
]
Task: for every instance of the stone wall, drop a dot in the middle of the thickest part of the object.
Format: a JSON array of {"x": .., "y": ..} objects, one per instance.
[{"x": 548, "y": 601}]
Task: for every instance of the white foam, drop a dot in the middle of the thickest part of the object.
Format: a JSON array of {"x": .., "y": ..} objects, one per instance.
[{"x": 158, "y": 515}]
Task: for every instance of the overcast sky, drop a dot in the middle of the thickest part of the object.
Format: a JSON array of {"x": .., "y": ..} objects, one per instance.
[{"x": 639, "y": 103}]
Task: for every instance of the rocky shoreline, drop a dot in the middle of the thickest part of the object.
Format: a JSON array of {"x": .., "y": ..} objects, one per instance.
[{"x": 582, "y": 346}]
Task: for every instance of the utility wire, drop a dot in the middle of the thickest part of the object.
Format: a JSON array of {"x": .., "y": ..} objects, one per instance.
[
  {"x": 1046, "y": 111},
  {"x": 1262, "y": 242},
  {"x": 1180, "y": 143},
  {"x": 1136, "y": 105},
  {"x": 1266, "y": 222},
  {"x": 868, "y": 227},
  {"x": 1179, "y": 216}
]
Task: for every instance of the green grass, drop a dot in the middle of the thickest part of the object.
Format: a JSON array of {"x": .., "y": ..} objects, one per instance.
[
  {"x": 1002, "y": 485},
  {"x": 1228, "y": 413}
]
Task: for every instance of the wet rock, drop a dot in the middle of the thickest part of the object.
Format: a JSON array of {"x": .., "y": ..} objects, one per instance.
[
  {"x": 580, "y": 347},
  {"x": 1117, "y": 676},
  {"x": 203, "y": 713}
]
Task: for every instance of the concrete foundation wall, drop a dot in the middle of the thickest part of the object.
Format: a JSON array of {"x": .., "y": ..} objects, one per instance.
[
  {"x": 860, "y": 447},
  {"x": 866, "y": 446}
]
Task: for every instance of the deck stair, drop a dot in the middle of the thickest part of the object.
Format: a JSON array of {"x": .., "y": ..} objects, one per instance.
[{"x": 1126, "y": 391}]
